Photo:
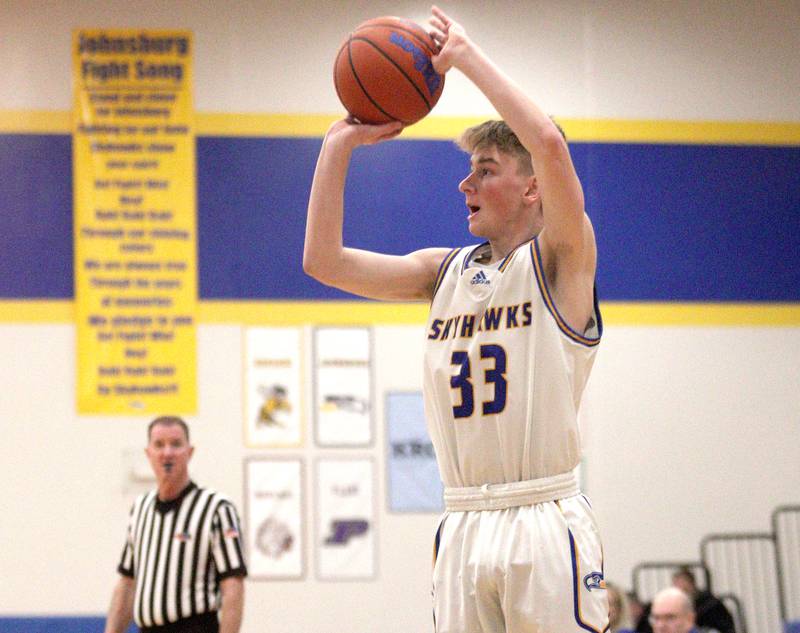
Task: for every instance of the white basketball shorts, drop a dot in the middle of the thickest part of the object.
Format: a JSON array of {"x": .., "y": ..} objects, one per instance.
[{"x": 527, "y": 569}]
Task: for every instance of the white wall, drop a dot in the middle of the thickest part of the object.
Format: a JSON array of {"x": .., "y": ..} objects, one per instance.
[
  {"x": 691, "y": 431},
  {"x": 616, "y": 59},
  {"x": 688, "y": 430}
]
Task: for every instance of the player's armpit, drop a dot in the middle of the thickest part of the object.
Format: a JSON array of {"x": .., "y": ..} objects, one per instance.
[
  {"x": 387, "y": 277},
  {"x": 573, "y": 253},
  {"x": 569, "y": 272}
]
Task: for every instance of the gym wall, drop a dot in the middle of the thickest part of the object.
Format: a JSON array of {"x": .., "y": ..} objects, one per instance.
[{"x": 685, "y": 130}]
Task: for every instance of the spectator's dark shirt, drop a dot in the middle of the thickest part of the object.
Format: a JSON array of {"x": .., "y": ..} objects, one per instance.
[{"x": 711, "y": 613}]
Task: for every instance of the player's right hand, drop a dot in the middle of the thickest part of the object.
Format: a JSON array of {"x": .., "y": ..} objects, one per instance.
[{"x": 355, "y": 133}]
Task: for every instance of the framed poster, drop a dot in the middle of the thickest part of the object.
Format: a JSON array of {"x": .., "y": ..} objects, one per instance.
[
  {"x": 273, "y": 386},
  {"x": 134, "y": 215},
  {"x": 345, "y": 519},
  {"x": 343, "y": 386},
  {"x": 274, "y": 518},
  {"x": 413, "y": 480}
]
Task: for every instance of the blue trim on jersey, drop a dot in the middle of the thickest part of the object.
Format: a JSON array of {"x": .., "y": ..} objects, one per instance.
[
  {"x": 470, "y": 255},
  {"x": 508, "y": 257},
  {"x": 503, "y": 264},
  {"x": 597, "y": 313},
  {"x": 443, "y": 270},
  {"x": 541, "y": 280},
  {"x": 507, "y": 260},
  {"x": 436, "y": 540}
]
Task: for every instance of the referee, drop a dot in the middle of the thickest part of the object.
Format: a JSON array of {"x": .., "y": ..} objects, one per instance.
[{"x": 182, "y": 562}]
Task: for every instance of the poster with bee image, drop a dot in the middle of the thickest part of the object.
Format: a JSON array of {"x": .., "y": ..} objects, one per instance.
[
  {"x": 274, "y": 518},
  {"x": 273, "y": 383},
  {"x": 343, "y": 386}
]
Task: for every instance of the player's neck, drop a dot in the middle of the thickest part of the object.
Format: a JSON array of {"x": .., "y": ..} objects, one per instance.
[
  {"x": 501, "y": 247},
  {"x": 518, "y": 231}
]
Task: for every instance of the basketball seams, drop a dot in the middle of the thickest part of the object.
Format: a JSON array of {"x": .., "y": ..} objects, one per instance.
[
  {"x": 382, "y": 54},
  {"x": 396, "y": 65},
  {"x": 404, "y": 29},
  {"x": 361, "y": 85}
]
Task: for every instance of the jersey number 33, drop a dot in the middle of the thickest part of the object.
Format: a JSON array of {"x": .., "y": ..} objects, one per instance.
[{"x": 492, "y": 356}]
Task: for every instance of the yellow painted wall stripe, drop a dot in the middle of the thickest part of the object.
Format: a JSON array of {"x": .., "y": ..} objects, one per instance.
[
  {"x": 35, "y": 122},
  {"x": 683, "y": 132},
  {"x": 292, "y": 125},
  {"x": 447, "y": 128},
  {"x": 701, "y": 314},
  {"x": 367, "y": 312}
]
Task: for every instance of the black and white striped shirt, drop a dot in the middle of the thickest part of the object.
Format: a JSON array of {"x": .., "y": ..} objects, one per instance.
[{"x": 178, "y": 551}]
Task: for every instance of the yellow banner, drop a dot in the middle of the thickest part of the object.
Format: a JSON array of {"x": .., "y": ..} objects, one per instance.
[{"x": 133, "y": 155}]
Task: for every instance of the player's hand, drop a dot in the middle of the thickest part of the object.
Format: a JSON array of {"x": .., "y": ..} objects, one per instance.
[
  {"x": 353, "y": 133},
  {"x": 450, "y": 37}
]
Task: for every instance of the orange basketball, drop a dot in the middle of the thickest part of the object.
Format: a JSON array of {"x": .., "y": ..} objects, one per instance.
[{"x": 383, "y": 72}]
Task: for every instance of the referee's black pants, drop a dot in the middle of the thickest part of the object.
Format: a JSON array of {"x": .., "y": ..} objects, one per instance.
[{"x": 203, "y": 623}]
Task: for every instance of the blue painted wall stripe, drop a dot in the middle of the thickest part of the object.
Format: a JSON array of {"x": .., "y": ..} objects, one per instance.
[
  {"x": 673, "y": 222},
  {"x": 56, "y": 624}
]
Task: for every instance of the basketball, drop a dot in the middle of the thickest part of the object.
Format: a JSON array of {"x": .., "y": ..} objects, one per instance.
[{"x": 383, "y": 72}]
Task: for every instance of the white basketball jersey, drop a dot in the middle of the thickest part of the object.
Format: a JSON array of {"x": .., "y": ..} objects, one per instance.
[{"x": 504, "y": 373}]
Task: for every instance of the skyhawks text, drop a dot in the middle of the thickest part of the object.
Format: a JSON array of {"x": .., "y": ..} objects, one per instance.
[{"x": 496, "y": 318}]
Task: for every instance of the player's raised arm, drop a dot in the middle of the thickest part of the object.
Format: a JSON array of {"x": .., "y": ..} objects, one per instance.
[
  {"x": 368, "y": 274},
  {"x": 567, "y": 232}
]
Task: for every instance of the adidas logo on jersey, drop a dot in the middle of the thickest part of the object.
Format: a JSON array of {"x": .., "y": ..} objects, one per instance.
[{"x": 480, "y": 278}]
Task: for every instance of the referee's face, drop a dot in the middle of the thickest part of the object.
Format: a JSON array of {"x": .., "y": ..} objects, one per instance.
[{"x": 169, "y": 453}]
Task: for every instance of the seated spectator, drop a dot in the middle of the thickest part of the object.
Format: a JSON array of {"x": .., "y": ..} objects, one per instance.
[
  {"x": 672, "y": 612},
  {"x": 618, "y": 618},
  {"x": 710, "y": 612},
  {"x": 639, "y": 611}
]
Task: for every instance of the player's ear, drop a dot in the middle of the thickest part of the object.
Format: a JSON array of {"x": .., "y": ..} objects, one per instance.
[{"x": 532, "y": 193}]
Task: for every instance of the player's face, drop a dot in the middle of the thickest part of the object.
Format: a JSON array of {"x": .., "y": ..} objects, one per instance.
[
  {"x": 494, "y": 191},
  {"x": 169, "y": 452}
]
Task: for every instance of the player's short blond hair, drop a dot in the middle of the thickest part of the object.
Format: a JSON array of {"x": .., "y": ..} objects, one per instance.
[{"x": 498, "y": 134}]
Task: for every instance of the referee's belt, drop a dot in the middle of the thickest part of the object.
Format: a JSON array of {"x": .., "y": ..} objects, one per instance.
[{"x": 512, "y": 495}]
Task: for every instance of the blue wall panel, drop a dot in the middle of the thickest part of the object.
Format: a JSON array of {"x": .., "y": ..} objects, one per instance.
[
  {"x": 694, "y": 223},
  {"x": 253, "y": 195},
  {"x": 57, "y": 624},
  {"x": 35, "y": 216},
  {"x": 673, "y": 222}
]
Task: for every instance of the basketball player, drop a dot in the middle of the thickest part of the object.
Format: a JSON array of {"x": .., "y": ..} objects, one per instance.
[{"x": 511, "y": 337}]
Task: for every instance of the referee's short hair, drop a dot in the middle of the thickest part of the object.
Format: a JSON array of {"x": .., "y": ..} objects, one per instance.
[{"x": 168, "y": 420}]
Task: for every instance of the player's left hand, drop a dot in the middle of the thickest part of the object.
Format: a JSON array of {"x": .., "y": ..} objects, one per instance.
[{"x": 451, "y": 39}]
